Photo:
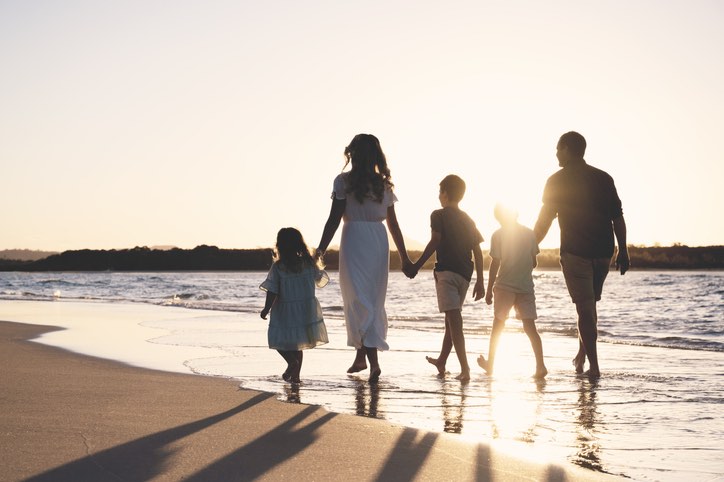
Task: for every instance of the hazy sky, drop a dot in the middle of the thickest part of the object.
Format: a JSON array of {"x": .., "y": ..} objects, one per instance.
[{"x": 142, "y": 123}]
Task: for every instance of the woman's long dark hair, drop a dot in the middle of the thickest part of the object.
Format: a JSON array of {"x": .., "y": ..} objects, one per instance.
[
  {"x": 291, "y": 250},
  {"x": 370, "y": 175}
]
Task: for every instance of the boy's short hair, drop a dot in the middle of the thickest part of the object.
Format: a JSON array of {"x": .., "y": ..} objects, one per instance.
[{"x": 454, "y": 187}]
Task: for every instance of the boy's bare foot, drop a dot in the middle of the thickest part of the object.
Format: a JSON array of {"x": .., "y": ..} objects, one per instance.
[
  {"x": 540, "y": 373},
  {"x": 578, "y": 362},
  {"x": 485, "y": 365},
  {"x": 357, "y": 367},
  {"x": 375, "y": 375},
  {"x": 463, "y": 377},
  {"x": 434, "y": 361}
]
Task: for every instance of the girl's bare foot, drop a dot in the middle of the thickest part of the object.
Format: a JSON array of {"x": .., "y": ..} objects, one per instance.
[
  {"x": 540, "y": 373},
  {"x": 375, "y": 375},
  {"x": 485, "y": 365},
  {"x": 440, "y": 367}
]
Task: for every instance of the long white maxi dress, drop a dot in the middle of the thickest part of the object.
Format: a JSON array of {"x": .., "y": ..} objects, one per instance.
[{"x": 364, "y": 261}]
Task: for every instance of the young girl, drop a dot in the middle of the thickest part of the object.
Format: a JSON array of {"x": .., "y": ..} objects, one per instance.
[{"x": 296, "y": 317}]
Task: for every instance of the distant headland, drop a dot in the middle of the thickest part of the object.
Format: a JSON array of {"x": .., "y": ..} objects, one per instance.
[{"x": 212, "y": 258}]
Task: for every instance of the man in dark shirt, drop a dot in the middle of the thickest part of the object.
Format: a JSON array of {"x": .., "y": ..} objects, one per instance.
[{"x": 589, "y": 214}]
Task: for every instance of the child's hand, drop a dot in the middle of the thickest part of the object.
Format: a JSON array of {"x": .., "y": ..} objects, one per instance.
[
  {"x": 479, "y": 290},
  {"x": 264, "y": 312},
  {"x": 489, "y": 297},
  {"x": 410, "y": 270}
]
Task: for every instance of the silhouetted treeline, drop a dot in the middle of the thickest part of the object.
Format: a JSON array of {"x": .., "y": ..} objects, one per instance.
[{"x": 211, "y": 258}]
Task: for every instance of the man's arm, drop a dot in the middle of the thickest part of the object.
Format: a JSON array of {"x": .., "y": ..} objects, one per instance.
[
  {"x": 622, "y": 260},
  {"x": 492, "y": 275},
  {"x": 545, "y": 219}
]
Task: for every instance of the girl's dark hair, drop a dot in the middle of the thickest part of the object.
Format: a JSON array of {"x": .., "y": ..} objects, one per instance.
[
  {"x": 370, "y": 175},
  {"x": 292, "y": 251}
]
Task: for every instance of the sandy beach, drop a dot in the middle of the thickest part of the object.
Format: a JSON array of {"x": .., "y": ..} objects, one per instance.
[{"x": 71, "y": 417}]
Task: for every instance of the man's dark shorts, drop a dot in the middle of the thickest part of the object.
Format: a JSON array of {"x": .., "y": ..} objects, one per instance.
[{"x": 584, "y": 276}]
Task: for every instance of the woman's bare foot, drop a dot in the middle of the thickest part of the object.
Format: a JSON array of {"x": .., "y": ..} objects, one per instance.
[
  {"x": 356, "y": 367},
  {"x": 485, "y": 365},
  {"x": 440, "y": 367},
  {"x": 375, "y": 375},
  {"x": 540, "y": 373}
]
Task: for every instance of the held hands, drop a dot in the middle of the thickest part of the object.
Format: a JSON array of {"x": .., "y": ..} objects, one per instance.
[
  {"x": 622, "y": 261},
  {"x": 410, "y": 269}
]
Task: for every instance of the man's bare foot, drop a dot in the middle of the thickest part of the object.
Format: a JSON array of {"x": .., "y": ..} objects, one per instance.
[
  {"x": 578, "y": 362},
  {"x": 463, "y": 377},
  {"x": 436, "y": 363},
  {"x": 485, "y": 365},
  {"x": 540, "y": 373},
  {"x": 375, "y": 375},
  {"x": 356, "y": 367}
]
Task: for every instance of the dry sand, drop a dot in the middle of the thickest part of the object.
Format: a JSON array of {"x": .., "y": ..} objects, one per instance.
[{"x": 68, "y": 417}]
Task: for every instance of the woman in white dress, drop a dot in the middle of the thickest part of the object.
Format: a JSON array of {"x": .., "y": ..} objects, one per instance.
[{"x": 363, "y": 197}]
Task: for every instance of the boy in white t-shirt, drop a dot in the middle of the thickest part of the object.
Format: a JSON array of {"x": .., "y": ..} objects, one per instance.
[{"x": 513, "y": 248}]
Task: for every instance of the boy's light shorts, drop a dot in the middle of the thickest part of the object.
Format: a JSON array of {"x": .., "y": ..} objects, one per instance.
[
  {"x": 451, "y": 290},
  {"x": 584, "y": 277},
  {"x": 504, "y": 300}
]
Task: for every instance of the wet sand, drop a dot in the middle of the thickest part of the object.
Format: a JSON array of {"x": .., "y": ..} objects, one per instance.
[{"x": 65, "y": 416}]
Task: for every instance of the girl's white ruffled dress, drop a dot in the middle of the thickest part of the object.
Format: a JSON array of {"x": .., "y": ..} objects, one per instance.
[{"x": 296, "y": 321}]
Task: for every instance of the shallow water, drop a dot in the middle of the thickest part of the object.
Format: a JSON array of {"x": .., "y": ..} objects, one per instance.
[{"x": 654, "y": 415}]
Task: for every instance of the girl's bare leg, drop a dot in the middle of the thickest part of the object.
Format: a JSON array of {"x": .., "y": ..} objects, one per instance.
[{"x": 535, "y": 342}]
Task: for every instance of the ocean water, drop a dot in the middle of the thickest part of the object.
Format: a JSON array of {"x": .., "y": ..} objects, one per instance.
[{"x": 655, "y": 414}]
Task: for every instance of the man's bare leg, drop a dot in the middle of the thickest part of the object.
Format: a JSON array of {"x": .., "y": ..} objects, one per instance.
[
  {"x": 359, "y": 363},
  {"x": 588, "y": 334},
  {"x": 488, "y": 364},
  {"x": 445, "y": 350}
]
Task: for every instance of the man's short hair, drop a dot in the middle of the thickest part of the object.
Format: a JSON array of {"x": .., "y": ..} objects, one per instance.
[
  {"x": 575, "y": 142},
  {"x": 454, "y": 187}
]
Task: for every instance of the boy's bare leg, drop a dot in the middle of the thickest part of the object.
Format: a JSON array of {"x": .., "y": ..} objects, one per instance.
[
  {"x": 488, "y": 364},
  {"x": 580, "y": 359},
  {"x": 588, "y": 334},
  {"x": 375, "y": 370},
  {"x": 359, "y": 363},
  {"x": 445, "y": 350},
  {"x": 535, "y": 342},
  {"x": 454, "y": 319}
]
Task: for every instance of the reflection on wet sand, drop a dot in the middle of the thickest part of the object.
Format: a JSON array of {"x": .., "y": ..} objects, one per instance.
[
  {"x": 367, "y": 397},
  {"x": 588, "y": 423},
  {"x": 453, "y": 406}
]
